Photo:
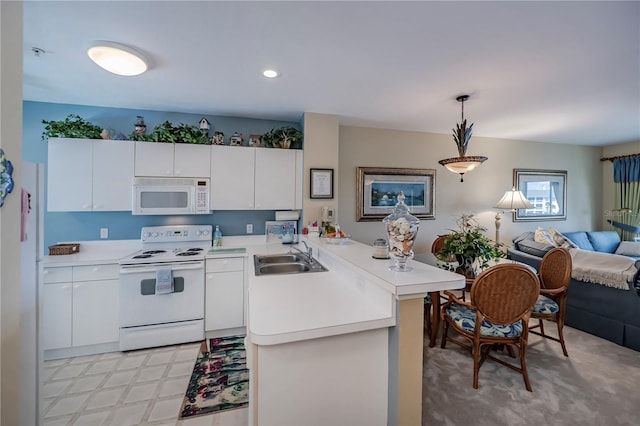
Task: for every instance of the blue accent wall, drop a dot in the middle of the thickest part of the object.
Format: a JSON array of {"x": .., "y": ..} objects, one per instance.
[{"x": 83, "y": 226}]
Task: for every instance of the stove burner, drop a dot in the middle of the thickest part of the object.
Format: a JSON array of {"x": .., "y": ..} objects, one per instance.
[
  {"x": 187, "y": 253},
  {"x": 194, "y": 249},
  {"x": 154, "y": 252},
  {"x": 141, "y": 256}
]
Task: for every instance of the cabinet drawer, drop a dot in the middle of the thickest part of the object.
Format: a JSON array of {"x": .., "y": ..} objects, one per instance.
[
  {"x": 225, "y": 264},
  {"x": 96, "y": 272},
  {"x": 56, "y": 275}
]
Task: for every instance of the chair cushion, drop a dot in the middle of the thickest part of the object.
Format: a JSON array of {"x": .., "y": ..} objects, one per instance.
[
  {"x": 604, "y": 241},
  {"x": 465, "y": 318},
  {"x": 545, "y": 306},
  {"x": 580, "y": 239}
]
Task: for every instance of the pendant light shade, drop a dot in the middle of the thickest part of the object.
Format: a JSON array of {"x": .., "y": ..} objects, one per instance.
[
  {"x": 117, "y": 58},
  {"x": 461, "y": 136}
]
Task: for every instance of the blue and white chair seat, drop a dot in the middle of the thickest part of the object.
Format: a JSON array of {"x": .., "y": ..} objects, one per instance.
[
  {"x": 465, "y": 318},
  {"x": 545, "y": 306}
]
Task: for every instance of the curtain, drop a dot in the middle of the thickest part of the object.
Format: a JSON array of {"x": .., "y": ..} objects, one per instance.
[{"x": 626, "y": 177}]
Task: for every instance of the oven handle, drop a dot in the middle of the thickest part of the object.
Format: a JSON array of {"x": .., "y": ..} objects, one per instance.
[{"x": 137, "y": 270}]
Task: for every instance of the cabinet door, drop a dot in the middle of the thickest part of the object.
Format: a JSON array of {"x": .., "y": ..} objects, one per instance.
[
  {"x": 275, "y": 181},
  {"x": 95, "y": 312},
  {"x": 232, "y": 178},
  {"x": 56, "y": 320},
  {"x": 69, "y": 175},
  {"x": 192, "y": 160},
  {"x": 224, "y": 300},
  {"x": 112, "y": 175},
  {"x": 154, "y": 159},
  {"x": 299, "y": 192}
]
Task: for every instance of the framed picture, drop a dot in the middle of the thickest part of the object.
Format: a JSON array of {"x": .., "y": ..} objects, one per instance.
[
  {"x": 321, "y": 183},
  {"x": 546, "y": 190},
  {"x": 378, "y": 189}
]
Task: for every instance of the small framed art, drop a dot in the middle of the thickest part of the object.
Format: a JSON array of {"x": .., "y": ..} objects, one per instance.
[{"x": 321, "y": 183}]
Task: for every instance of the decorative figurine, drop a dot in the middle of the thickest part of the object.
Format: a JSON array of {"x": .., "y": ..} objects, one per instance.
[
  {"x": 204, "y": 126},
  {"x": 255, "y": 140},
  {"x": 236, "y": 139},
  {"x": 217, "y": 138},
  {"x": 141, "y": 128}
]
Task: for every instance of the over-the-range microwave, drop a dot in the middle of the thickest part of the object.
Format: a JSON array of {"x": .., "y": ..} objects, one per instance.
[{"x": 170, "y": 196}]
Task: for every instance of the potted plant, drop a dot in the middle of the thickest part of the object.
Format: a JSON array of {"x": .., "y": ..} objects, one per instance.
[
  {"x": 166, "y": 132},
  {"x": 469, "y": 246},
  {"x": 73, "y": 126},
  {"x": 284, "y": 137}
]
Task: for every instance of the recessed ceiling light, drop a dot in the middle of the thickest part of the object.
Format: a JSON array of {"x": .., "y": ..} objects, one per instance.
[
  {"x": 117, "y": 58},
  {"x": 270, "y": 73}
]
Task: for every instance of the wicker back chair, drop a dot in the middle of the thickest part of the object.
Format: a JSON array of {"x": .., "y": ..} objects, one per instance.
[
  {"x": 501, "y": 301},
  {"x": 555, "y": 275}
]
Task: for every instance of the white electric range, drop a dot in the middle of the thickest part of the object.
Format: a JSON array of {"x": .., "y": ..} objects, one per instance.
[{"x": 162, "y": 287}]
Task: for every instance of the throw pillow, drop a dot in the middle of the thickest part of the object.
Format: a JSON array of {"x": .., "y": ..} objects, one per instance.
[
  {"x": 580, "y": 239},
  {"x": 543, "y": 236},
  {"x": 560, "y": 240},
  {"x": 604, "y": 241},
  {"x": 629, "y": 248}
]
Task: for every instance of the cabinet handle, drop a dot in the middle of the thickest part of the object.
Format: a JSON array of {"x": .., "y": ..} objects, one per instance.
[
  {"x": 45, "y": 272},
  {"x": 95, "y": 269}
]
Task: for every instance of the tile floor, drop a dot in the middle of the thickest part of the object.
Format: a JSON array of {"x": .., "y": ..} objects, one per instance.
[{"x": 144, "y": 387}]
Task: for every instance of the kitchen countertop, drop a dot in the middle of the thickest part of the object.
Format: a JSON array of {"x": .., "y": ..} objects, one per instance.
[
  {"x": 94, "y": 253},
  {"x": 357, "y": 293}
]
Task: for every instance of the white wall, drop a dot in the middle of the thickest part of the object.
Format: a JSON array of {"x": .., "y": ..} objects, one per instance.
[
  {"x": 10, "y": 142},
  {"x": 481, "y": 189}
]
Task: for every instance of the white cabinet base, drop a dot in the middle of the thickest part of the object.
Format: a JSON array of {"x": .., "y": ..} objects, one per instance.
[{"x": 339, "y": 380}]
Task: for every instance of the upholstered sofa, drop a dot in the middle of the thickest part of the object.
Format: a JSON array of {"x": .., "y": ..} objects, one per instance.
[{"x": 605, "y": 311}]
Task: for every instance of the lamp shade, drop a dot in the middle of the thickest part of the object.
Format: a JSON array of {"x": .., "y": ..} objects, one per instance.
[
  {"x": 117, "y": 58},
  {"x": 462, "y": 165},
  {"x": 513, "y": 200}
]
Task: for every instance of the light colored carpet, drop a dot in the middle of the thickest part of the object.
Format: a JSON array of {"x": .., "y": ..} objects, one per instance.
[{"x": 598, "y": 384}]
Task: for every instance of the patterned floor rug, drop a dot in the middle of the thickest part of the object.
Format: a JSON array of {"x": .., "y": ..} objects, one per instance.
[{"x": 220, "y": 379}]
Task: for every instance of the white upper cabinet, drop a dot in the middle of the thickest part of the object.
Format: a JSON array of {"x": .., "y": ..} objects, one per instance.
[
  {"x": 232, "y": 177},
  {"x": 275, "y": 179},
  {"x": 89, "y": 175},
  {"x": 172, "y": 160},
  {"x": 255, "y": 178}
]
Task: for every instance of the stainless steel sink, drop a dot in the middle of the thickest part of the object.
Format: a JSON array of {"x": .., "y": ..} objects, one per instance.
[
  {"x": 279, "y": 258},
  {"x": 285, "y": 263}
]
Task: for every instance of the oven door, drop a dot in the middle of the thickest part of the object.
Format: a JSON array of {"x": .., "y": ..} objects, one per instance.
[{"x": 140, "y": 305}]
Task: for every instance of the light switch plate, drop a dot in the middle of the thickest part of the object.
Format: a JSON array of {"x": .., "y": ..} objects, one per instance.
[
  {"x": 104, "y": 232},
  {"x": 249, "y": 228}
]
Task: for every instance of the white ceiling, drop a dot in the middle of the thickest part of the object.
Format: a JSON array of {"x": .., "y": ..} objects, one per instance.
[{"x": 561, "y": 72}]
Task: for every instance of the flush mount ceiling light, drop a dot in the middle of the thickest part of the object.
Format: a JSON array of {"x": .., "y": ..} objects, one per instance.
[
  {"x": 117, "y": 58},
  {"x": 461, "y": 136},
  {"x": 270, "y": 73}
]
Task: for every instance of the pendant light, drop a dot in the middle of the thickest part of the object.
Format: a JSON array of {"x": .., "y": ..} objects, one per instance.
[{"x": 461, "y": 136}]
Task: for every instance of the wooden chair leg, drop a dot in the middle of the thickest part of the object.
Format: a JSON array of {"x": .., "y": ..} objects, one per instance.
[
  {"x": 476, "y": 363},
  {"x": 445, "y": 330},
  {"x": 427, "y": 318},
  {"x": 541, "y": 327},
  {"x": 561, "y": 338},
  {"x": 523, "y": 366}
]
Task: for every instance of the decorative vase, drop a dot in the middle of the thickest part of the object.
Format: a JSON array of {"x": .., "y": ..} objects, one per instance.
[
  {"x": 466, "y": 266},
  {"x": 402, "y": 229}
]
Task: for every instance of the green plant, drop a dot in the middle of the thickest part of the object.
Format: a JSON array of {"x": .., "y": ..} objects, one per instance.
[
  {"x": 468, "y": 245},
  {"x": 73, "y": 126},
  {"x": 284, "y": 137},
  {"x": 166, "y": 132}
]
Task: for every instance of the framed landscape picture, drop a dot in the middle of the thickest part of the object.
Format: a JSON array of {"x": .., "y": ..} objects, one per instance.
[
  {"x": 378, "y": 189},
  {"x": 546, "y": 190}
]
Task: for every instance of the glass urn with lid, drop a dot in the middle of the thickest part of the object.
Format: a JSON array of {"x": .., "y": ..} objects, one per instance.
[{"x": 402, "y": 229}]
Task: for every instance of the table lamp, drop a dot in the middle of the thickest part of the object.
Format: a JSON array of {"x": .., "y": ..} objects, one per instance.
[{"x": 510, "y": 202}]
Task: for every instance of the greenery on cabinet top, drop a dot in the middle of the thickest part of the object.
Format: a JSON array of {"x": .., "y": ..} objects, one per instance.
[{"x": 75, "y": 126}]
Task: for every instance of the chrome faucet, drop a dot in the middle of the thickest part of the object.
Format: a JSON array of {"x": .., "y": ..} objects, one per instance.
[{"x": 309, "y": 253}]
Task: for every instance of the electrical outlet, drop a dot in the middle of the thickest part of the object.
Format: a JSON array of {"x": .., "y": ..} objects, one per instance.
[
  {"x": 249, "y": 228},
  {"x": 104, "y": 232}
]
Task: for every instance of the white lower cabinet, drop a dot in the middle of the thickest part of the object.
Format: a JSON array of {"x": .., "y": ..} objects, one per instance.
[
  {"x": 224, "y": 293},
  {"x": 80, "y": 305}
]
